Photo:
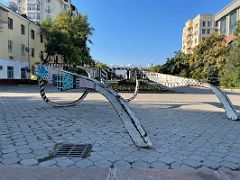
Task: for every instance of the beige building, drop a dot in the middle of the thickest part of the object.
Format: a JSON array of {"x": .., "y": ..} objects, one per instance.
[
  {"x": 226, "y": 18},
  {"x": 37, "y": 10},
  {"x": 195, "y": 30},
  {"x": 21, "y": 45}
]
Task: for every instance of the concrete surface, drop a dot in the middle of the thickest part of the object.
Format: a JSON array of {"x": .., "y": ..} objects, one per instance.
[{"x": 73, "y": 173}]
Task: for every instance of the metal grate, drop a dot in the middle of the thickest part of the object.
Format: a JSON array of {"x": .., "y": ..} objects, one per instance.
[{"x": 73, "y": 150}]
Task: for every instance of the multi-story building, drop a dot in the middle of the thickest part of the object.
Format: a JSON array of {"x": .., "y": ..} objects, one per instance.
[
  {"x": 227, "y": 18},
  {"x": 37, "y": 10},
  {"x": 21, "y": 45},
  {"x": 195, "y": 30}
]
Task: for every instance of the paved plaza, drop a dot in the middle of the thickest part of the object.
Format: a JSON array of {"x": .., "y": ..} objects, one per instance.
[{"x": 188, "y": 130}]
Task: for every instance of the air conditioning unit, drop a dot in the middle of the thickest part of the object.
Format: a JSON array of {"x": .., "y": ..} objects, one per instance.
[{"x": 1, "y": 67}]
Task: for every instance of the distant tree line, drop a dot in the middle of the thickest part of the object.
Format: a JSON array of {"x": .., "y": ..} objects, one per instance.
[{"x": 213, "y": 60}]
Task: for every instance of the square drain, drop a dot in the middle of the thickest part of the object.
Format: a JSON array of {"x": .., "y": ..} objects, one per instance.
[{"x": 73, "y": 150}]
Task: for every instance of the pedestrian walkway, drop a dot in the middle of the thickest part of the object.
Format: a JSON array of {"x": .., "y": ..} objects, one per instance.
[{"x": 188, "y": 131}]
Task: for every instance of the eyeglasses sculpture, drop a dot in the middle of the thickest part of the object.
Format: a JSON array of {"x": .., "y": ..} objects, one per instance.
[{"x": 64, "y": 81}]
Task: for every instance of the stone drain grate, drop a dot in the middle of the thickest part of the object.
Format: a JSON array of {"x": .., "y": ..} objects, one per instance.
[{"x": 73, "y": 150}]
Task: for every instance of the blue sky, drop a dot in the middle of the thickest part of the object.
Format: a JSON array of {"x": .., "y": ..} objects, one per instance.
[{"x": 140, "y": 31}]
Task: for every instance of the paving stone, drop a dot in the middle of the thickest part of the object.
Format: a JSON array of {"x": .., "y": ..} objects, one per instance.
[
  {"x": 48, "y": 163},
  {"x": 10, "y": 161},
  {"x": 121, "y": 164},
  {"x": 167, "y": 160},
  {"x": 140, "y": 164},
  {"x": 24, "y": 151},
  {"x": 160, "y": 165},
  {"x": 29, "y": 162},
  {"x": 102, "y": 163},
  {"x": 64, "y": 162},
  {"x": 192, "y": 163},
  {"x": 84, "y": 163},
  {"x": 211, "y": 164},
  {"x": 230, "y": 165}
]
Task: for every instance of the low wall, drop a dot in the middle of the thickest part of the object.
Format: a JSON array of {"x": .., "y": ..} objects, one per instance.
[{"x": 17, "y": 81}]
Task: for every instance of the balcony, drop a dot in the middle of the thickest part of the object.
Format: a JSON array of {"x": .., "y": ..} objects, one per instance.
[
  {"x": 33, "y": 1},
  {"x": 3, "y": 18}
]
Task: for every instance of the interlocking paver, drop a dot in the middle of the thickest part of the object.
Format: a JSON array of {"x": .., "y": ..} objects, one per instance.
[
  {"x": 121, "y": 164},
  {"x": 187, "y": 130},
  {"x": 49, "y": 163},
  {"x": 29, "y": 162}
]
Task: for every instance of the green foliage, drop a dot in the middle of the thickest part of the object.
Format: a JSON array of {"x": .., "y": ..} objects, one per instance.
[
  {"x": 208, "y": 58},
  {"x": 68, "y": 36},
  {"x": 177, "y": 65},
  {"x": 230, "y": 76},
  {"x": 100, "y": 66}
]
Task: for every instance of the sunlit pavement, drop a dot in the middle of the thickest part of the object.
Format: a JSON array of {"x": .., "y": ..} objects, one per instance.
[{"x": 188, "y": 131}]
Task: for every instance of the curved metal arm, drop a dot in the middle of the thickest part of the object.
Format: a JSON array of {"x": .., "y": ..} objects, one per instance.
[
  {"x": 175, "y": 81},
  {"x": 47, "y": 100},
  {"x": 64, "y": 80},
  {"x": 225, "y": 101},
  {"x": 135, "y": 92}
]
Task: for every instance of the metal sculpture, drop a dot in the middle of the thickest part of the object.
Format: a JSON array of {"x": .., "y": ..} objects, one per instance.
[
  {"x": 90, "y": 73},
  {"x": 64, "y": 80},
  {"x": 175, "y": 81}
]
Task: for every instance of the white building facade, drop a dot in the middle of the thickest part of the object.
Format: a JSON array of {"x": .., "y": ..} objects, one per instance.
[{"x": 37, "y": 10}]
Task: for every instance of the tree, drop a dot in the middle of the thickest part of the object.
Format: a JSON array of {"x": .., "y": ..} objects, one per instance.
[
  {"x": 177, "y": 65},
  {"x": 230, "y": 76},
  {"x": 208, "y": 58},
  {"x": 100, "y": 66},
  {"x": 68, "y": 36}
]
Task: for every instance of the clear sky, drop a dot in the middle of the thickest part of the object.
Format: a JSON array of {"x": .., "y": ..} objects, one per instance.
[{"x": 140, "y": 31}]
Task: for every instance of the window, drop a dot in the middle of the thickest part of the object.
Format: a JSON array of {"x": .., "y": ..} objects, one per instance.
[
  {"x": 10, "y": 46},
  {"x": 20, "y": 10},
  {"x": 233, "y": 21},
  {"x": 47, "y": 9},
  {"x": 10, "y": 72},
  {"x": 10, "y": 23},
  {"x": 56, "y": 60},
  {"x": 203, "y": 23},
  {"x": 38, "y": 7},
  {"x": 33, "y": 52},
  {"x": 23, "y": 49},
  {"x": 23, "y": 73},
  {"x": 65, "y": 7},
  {"x": 209, "y": 24},
  {"x": 203, "y": 31},
  {"x": 22, "y": 29},
  {"x": 38, "y": 15},
  {"x": 208, "y": 31},
  {"x": 223, "y": 26},
  {"x": 41, "y": 55},
  {"x": 41, "y": 38},
  {"x": 48, "y": 1},
  {"x": 32, "y": 34},
  {"x": 216, "y": 23}
]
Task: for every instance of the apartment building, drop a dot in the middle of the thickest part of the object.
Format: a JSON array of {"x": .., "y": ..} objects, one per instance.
[
  {"x": 37, "y": 10},
  {"x": 195, "y": 30},
  {"x": 227, "y": 18},
  {"x": 21, "y": 45}
]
